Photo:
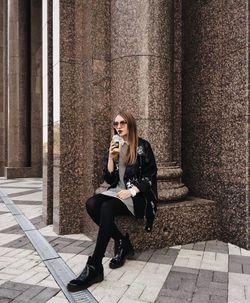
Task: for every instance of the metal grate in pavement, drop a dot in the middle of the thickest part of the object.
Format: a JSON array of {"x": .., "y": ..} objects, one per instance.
[
  {"x": 55, "y": 264},
  {"x": 82, "y": 297}
]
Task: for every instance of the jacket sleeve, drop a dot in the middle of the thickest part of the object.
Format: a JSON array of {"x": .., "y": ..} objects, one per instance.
[
  {"x": 148, "y": 170},
  {"x": 107, "y": 176}
]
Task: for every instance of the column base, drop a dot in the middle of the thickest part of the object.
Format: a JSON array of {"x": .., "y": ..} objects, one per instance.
[
  {"x": 170, "y": 187},
  {"x": 22, "y": 172}
]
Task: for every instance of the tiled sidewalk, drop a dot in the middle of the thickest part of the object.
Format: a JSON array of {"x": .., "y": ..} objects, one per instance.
[{"x": 203, "y": 272}]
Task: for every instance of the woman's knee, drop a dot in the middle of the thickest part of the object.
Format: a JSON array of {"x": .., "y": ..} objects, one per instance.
[{"x": 91, "y": 205}]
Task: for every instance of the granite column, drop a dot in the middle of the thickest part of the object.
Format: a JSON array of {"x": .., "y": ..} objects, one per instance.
[
  {"x": 47, "y": 113},
  {"x": 36, "y": 86},
  {"x": 1, "y": 88},
  {"x": 18, "y": 86},
  {"x": 81, "y": 53},
  {"x": 145, "y": 71}
]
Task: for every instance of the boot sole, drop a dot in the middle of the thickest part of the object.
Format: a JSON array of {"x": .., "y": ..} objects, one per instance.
[
  {"x": 75, "y": 288},
  {"x": 129, "y": 255}
]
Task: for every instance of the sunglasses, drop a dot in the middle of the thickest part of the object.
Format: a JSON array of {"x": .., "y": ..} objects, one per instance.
[{"x": 122, "y": 123}]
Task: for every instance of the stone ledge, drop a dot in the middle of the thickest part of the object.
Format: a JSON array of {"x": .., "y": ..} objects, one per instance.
[{"x": 177, "y": 223}]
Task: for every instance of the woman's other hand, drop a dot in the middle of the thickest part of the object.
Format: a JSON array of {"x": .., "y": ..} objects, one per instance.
[{"x": 124, "y": 194}]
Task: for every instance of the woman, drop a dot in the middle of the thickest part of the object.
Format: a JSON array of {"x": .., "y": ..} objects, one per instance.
[{"x": 132, "y": 178}]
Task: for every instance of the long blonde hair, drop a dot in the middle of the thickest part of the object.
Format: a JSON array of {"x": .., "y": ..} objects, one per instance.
[{"x": 131, "y": 155}]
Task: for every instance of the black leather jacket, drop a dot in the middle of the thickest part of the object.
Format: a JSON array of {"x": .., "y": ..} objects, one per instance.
[{"x": 142, "y": 174}]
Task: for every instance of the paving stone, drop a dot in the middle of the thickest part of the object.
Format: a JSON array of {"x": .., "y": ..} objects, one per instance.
[
  {"x": 218, "y": 285},
  {"x": 162, "y": 259},
  {"x": 45, "y": 295},
  {"x": 220, "y": 277},
  {"x": 200, "y": 298},
  {"x": 31, "y": 292},
  {"x": 199, "y": 246},
  {"x": 211, "y": 291},
  {"x": 3, "y": 212},
  {"x": 216, "y": 246},
  {"x": 163, "y": 299},
  {"x": 187, "y": 286},
  {"x": 26, "y": 192},
  {"x": 176, "y": 294},
  {"x": 15, "y": 229},
  {"x": 239, "y": 259},
  {"x": 161, "y": 251},
  {"x": 205, "y": 277},
  {"x": 25, "y": 202},
  {"x": 188, "y": 246},
  {"x": 172, "y": 283},
  {"x": 218, "y": 299},
  {"x": 89, "y": 250},
  {"x": 246, "y": 268},
  {"x": 235, "y": 267},
  {"x": 144, "y": 256},
  {"x": 18, "y": 243},
  {"x": 185, "y": 270},
  {"x": 9, "y": 293},
  {"x": 168, "y": 257}
]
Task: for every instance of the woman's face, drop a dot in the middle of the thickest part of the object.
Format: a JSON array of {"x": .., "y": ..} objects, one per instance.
[{"x": 121, "y": 127}]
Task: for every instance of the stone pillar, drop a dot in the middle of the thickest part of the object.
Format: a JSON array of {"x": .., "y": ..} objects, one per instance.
[
  {"x": 5, "y": 83},
  {"x": 1, "y": 88},
  {"x": 36, "y": 86},
  {"x": 24, "y": 98},
  {"x": 81, "y": 59},
  {"x": 18, "y": 86},
  {"x": 145, "y": 69},
  {"x": 47, "y": 113}
]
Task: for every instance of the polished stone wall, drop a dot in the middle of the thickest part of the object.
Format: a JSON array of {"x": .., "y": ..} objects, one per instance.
[
  {"x": 1, "y": 88},
  {"x": 146, "y": 80},
  {"x": 18, "y": 86},
  {"x": 168, "y": 63},
  {"x": 21, "y": 90},
  {"x": 81, "y": 84},
  {"x": 5, "y": 84},
  {"x": 193, "y": 220},
  {"x": 215, "y": 148},
  {"x": 141, "y": 66},
  {"x": 36, "y": 109},
  {"x": 47, "y": 80}
]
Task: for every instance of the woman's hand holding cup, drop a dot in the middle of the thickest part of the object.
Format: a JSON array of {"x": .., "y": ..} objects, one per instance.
[{"x": 112, "y": 150}]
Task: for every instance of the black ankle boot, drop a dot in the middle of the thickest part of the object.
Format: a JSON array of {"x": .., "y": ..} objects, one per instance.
[
  {"x": 124, "y": 249},
  {"x": 91, "y": 274}
]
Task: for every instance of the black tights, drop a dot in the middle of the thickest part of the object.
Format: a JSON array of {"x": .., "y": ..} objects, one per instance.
[{"x": 103, "y": 210}]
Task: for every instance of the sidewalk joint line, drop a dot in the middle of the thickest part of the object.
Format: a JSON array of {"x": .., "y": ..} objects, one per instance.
[{"x": 56, "y": 265}]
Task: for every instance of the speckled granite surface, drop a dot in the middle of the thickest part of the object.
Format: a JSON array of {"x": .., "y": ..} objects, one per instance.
[
  {"x": 215, "y": 111},
  {"x": 82, "y": 78},
  {"x": 146, "y": 56},
  {"x": 47, "y": 113},
  {"x": 2, "y": 83},
  {"x": 167, "y": 64},
  {"x": 177, "y": 223}
]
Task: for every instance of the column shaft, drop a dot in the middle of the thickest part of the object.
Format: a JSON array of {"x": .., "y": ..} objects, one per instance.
[
  {"x": 144, "y": 76},
  {"x": 36, "y": 86},
  {"x": 81, "y": 81},
  {"x": 18, "y": 84},
  {"x": 2, "y": 35},
  {"x": 47, "y": 113}
]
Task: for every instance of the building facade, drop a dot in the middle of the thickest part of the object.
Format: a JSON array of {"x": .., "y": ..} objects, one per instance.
[{"x": 181, "y": 67}]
